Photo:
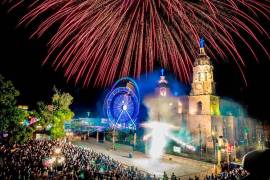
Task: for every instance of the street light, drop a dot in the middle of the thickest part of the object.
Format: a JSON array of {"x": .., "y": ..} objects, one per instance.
[
  {"x": 200, "y": 134},
  {"x": 113, "y": 138},
  {"x": 214, "y": 144},
  {"x": 134, "y": 139},
  {"x": 227, "y": 152}
]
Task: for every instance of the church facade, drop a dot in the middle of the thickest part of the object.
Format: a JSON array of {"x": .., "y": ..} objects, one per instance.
[{"x": 205, "y": 115}]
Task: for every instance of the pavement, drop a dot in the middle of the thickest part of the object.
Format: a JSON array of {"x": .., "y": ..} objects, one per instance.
[{"x": 182, "y": 167}]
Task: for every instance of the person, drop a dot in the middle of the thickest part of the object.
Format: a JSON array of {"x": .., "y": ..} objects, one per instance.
[
  {"x": 173, "y": 177},
  {"x": 165, "y": 177}
]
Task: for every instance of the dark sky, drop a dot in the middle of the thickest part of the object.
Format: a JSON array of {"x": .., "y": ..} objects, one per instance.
[{"x": 21, "y": 60}]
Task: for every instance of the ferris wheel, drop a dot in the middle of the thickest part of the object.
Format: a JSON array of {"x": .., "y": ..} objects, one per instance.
[{"x": 122, "y": 104}]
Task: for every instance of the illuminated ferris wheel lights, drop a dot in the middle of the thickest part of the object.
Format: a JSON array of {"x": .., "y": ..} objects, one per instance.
[
  {"x": 122, "y": 103},
  {"x": 125, "y": 107}
]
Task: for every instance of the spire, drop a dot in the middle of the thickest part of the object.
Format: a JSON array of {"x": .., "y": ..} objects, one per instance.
[
  {"x": 202, "y": 42},
  {"x": 162, "y": 72},
  {"x": 202, "y": 57},
  {"x": 202, "y": 45},
  {"x": 162, "y": 81},
  {"x": 203, "y": 82}
]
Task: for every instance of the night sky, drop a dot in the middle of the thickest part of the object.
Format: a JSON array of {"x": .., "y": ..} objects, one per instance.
[{"x": 21, "y": 60}]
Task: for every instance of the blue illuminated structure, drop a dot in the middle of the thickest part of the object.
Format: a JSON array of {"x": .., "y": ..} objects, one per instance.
[
  {"x": 202, "y": 42},
  {"x": 122, "y": 104},
  {"x": 162, "y": 72}
]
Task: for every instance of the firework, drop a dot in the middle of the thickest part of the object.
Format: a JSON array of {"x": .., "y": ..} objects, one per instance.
[
  {"x": 100, "y": 40},
  {"x": 160, "y": 134}
]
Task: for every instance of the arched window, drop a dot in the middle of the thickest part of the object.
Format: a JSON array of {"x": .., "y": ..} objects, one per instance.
[
  {"x": 200, "y": 77},
  {"x": 199, "y": 107}
]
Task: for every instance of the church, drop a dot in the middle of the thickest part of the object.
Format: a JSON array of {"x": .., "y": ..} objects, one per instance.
[{"x": 206, "y": 116}]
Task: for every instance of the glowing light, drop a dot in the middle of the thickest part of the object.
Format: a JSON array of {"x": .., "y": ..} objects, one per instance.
[
  {"x": 163, "y": 92},
  {"x": 180, "y": 108},
  {"x": 158, "y": 142},
  {"x": 159, "y": 134},
  {"x": 125, "y": 107}
]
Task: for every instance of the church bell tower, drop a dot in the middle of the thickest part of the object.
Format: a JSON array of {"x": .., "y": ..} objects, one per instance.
[
  {"x": 202, "y": 99},
  {"x": 204, "y": 110},
  {"x": 203, "y": 81}
]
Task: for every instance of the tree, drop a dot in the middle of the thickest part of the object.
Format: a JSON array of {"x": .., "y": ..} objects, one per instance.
[
  {"x": 11, "y": 115},
  {"x": 8, "y": 110},
  {"x": 55, "y": 115},
  {"x": 44, "y": 114}
]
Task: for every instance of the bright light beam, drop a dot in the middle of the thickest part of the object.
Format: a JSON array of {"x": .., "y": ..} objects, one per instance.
[{"x": 159, "y": 135}]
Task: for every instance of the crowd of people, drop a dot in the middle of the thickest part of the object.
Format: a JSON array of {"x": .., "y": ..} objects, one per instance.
[
  {"x": 34, "y": 160},
  {"x": 234, "y": 174},
  {"x": 30, "y": 161}
]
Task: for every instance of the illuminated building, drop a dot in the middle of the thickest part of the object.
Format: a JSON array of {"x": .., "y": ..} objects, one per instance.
[{"x": 202, "y": 113}]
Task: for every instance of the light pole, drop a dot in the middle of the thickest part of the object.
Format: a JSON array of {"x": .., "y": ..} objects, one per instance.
[
  {"x": 214, "y": 143},
  {"x": 200, "y": 133},
  {"x": 218, "y": 151},
  {"x": 113, "y": 138},
  {"x": 235, "y": 151},
  {"x": 97, "y": 135},
  {"x": 227, "y": 153},
  {"x": 104, "y": 135},
  {"x": 134, "y": 140},
  {"x": 215, "y": 153}
]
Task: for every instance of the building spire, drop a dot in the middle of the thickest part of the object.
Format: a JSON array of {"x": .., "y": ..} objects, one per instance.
[
  {"x": 163, "y": 84},
  {"x": 162, "y": 80},
  {"x": 203, "y": 81},
  {"x": 162, "y": 72},
  {"x": 202, "y": 45}
]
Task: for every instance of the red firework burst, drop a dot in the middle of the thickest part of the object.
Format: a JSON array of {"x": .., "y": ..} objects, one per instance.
[{"x": 100, "y": 40}]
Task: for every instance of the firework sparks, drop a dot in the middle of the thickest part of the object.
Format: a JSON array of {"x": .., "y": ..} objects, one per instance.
[
  {"x": 159, "y": 134},
  {"x": 99, "y": 40}
]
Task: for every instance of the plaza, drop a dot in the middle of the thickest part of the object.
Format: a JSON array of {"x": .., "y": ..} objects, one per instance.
[{"x": 176, "y": 165}]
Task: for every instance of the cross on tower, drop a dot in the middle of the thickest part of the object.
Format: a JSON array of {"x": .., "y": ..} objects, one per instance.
[
  {"x": 202, "y": 42},
  {"x": 162, "y": 72}
]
